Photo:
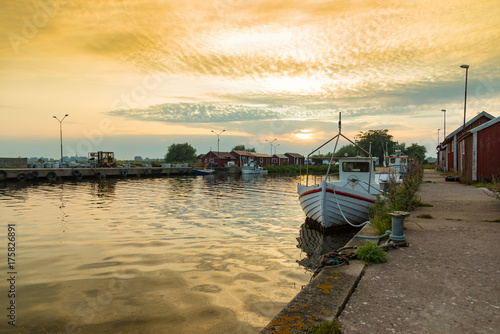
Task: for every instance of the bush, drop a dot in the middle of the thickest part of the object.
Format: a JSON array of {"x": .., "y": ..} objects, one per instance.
[
  {"x": 398, "y": 197},
  {"x": 371, "y": 252}
]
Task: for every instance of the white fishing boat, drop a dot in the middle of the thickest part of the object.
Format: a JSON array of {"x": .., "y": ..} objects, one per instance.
[
  {"x": 253, "y": 169},
  {"x": 397, "y": 168},
  {"x": 343, "y": 201},
  {"x": 347, "y": 200}
]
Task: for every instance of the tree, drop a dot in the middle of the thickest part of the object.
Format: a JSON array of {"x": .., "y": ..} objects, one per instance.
[
  {"x": 349, "y": 149},
  {"x": 180, "y": 153},
  {"x": 379, "y": 139},
  {"x": 242, "y": 148},
  {"x": 416, "y": 151}
]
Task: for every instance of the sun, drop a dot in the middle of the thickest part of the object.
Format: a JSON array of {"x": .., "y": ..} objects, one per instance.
[{"x": 304, "y": 134}]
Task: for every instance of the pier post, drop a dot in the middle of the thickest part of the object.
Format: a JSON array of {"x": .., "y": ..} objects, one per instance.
[{"x": 397, "y": 237}]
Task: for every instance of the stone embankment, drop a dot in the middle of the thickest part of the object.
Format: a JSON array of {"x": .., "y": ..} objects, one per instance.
[{"x": 446, "y": 281}]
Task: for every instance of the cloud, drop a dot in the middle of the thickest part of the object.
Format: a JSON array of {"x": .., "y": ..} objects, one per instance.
[{"x": 199, "y": 113}]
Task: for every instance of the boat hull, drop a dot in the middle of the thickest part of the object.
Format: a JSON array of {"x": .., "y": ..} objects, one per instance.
[
  {"x": 203, "y": 172},
  {"x": 330, "y": 205}
]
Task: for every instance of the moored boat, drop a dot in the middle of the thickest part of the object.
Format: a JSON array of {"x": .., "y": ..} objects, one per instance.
[
  {"x": 253, "y": 169},
  {"x": 347, "y": 200},
  {"x": 203, "y": 171}
]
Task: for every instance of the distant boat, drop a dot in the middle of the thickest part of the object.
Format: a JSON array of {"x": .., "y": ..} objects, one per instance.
[
  {"x": 253, "y": 169},
  {"x": 203, "y": 171},
  {"x": 397, "y": 168},
  {"x": 347, "y": 200}
]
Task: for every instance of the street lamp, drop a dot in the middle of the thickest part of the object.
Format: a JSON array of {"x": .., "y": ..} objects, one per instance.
[
  {"x": 444, "y": 131},
  {"x": 271, "y": 142},
  {"x": 465, "y": 100},
  {"x": 60, "y": 131},
  {"x": 218, "y": 140},
  {"x": 276, "y": 148}
]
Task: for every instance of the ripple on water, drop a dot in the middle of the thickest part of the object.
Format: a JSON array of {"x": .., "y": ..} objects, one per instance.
[{"x": 183, "y": 254}]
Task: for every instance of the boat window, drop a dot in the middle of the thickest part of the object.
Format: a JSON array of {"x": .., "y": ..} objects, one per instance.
[
  {"x": 356, "y": 166},
  {"x": 393, "y": 160}
]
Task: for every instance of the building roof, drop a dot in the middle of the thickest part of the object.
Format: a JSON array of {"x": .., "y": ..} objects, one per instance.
[
  {"x": 295, "y": 155},
  {"x": 223, "y": 155},
  {"x": 281, "y": 156},
  {"x": 261, "y": 155},
  {"x": 485, "y": 125},
  {"x": 244, "y": 153},
  {"x": 472, "y": 120}
]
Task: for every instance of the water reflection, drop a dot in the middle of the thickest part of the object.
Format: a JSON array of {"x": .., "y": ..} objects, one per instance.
[
  {"x": 190, "y": 255},
  {"x": 315, "y": 241}
]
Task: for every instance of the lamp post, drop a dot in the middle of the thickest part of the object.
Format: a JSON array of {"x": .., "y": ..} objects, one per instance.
[
  {"x": 444, "y": 131},
  {"x": 438, "y": 135},
  {"x": 271, "y": 142},
  {"x": 276, "y": 148},
  {"x": 465, "y": 99},
  {"x": 218, "y": 140},
  {"x": 60, "y": 132}
]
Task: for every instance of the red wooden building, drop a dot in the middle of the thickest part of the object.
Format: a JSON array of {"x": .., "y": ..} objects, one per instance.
[
  {"x": 245, "y": 157},
  {"x": 295, "y": 159},
  {"x": 218, "y": 159},
  {"x": 478, "y": 152},
  {"x": 447, "y": 150},
  {"x": 279, "y": 160}
]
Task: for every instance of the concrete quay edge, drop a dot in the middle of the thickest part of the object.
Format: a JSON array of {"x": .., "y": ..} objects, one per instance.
[{"x": 324, "y": 297}]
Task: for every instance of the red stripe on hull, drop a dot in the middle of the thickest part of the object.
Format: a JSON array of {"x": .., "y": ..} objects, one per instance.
[{"x": 338, "y": 192}]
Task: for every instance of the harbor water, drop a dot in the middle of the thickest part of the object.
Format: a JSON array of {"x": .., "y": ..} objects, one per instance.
[{"x": 167, "y": 255}]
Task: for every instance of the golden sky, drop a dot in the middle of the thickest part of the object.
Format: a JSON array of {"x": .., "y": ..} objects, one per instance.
[{"x": 138, "y": 75}]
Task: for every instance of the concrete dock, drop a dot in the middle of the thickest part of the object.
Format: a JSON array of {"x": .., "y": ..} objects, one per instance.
[
  {"x": 55, "y": 174},
  {"x": 446, "y": 281}
]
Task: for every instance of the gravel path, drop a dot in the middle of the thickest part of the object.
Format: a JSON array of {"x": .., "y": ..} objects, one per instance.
[{"x": 447, "y": 280}]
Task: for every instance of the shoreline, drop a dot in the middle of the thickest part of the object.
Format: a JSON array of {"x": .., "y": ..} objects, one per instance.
[{"x": 444, "y": 282}]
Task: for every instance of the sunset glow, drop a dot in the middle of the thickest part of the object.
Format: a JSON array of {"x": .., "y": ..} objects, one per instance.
[{"x": 171, "y": 71}]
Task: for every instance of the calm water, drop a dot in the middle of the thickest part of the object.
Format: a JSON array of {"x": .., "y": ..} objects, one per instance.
[{"x": 167, "y": 255}]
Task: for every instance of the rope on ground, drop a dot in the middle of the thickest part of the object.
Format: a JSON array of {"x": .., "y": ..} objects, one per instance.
[
  {"x": 332, "y": 259},
  {"x": 387, "y": 233}
]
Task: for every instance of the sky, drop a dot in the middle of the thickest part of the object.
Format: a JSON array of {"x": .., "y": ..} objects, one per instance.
[{"x": 136, "y": 76}]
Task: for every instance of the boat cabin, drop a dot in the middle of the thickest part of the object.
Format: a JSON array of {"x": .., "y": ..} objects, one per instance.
[
  {"x": 357, "y": 168},
  {"x": 399, "y": 162}
]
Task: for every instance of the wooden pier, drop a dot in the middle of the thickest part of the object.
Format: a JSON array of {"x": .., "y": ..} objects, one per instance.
[{"x": 57, "y": 174}]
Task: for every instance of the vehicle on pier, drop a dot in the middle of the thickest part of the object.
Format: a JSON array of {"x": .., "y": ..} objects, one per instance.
[{"x": 102, "y": 159}]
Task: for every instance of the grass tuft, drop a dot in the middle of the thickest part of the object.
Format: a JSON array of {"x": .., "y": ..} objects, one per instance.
[
  {"x": 425, "y": 216},
  {"x": 326, "y": 327},
  {"x": 371, "y": 252}
]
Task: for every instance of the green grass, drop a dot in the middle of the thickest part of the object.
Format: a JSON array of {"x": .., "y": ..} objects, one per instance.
[
  {"x": 426, "y": 205},
  {"x": 491, "y": 221},
  {"x": 425, "y": 216},
  {"x": 458, "y": 220},
  {"x": 371, "y": 252},
  {"x": 326, "y": 327}
]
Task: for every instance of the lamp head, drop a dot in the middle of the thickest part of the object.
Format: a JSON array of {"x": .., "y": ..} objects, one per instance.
[
  {"x": 464, "y": 66},
  {"x": 65, "y": 115},
  {"x": 443, "y": 110},
  {"x": 54, "y": 116}
]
